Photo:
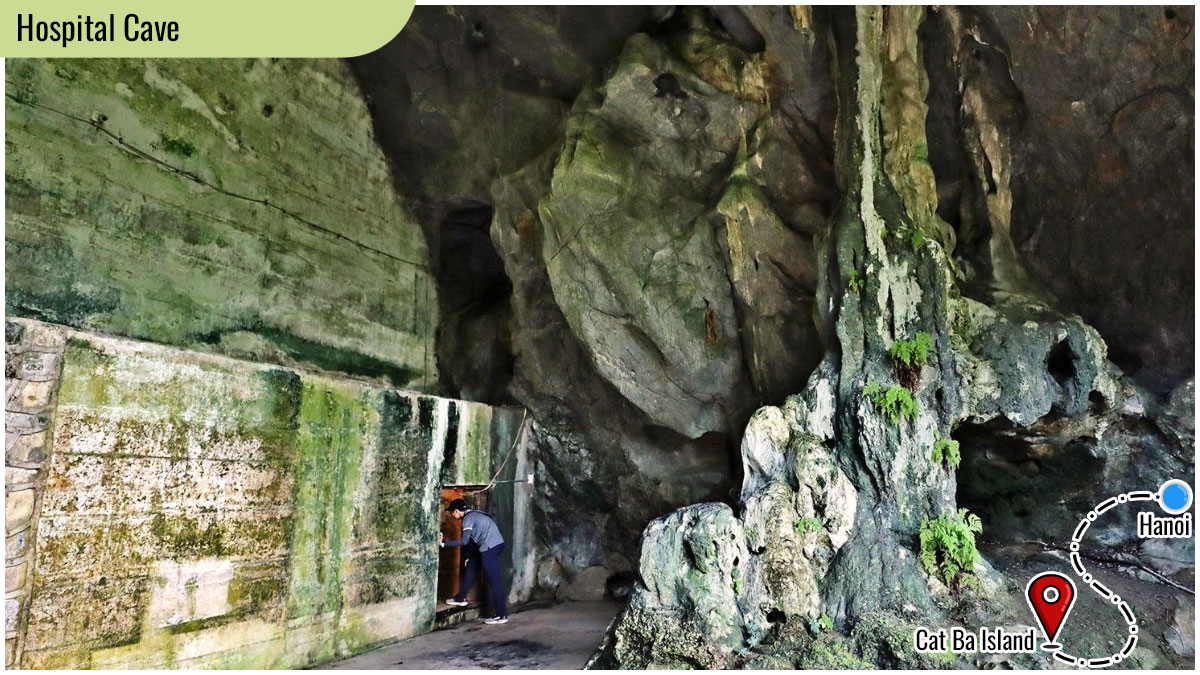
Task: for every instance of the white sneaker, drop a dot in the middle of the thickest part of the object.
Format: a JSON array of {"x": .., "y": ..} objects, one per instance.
[
  {"x": 496, "y": 619},
  {"x": 456, "y": 603}
]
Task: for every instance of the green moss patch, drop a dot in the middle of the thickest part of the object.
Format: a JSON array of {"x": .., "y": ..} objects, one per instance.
[{"x": 177, "y": 146}]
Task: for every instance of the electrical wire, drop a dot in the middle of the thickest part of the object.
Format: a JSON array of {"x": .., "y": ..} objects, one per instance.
[{"x": 511, "y": 450}]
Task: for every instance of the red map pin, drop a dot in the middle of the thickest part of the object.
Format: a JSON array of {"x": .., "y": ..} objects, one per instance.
[{"x": 1050, "y": 596}]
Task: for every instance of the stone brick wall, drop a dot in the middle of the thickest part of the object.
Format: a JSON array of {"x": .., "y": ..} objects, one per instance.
[
  {"x": 33, "y": 356},
  {"x": 203, "y": 512}
]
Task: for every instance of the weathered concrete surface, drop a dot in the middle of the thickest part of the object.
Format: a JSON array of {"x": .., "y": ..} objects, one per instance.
[
  {"x": 562, "y": 636},
  {"x": 202, "y": 512},
  {"x": 235, "y": 206}
]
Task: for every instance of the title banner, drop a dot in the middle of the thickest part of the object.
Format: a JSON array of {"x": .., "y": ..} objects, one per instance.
[{"x": 191, "y": 28}]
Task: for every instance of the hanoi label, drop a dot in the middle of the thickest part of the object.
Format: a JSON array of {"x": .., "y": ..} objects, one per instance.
[{"x": 1150, "y": 526}]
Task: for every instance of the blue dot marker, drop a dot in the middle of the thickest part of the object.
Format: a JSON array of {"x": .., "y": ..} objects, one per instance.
[{"x": 1175, "y": 496}]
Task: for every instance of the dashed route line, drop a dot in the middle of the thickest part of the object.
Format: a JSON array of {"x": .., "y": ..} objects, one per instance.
[{"x": 1101, "y": 589}]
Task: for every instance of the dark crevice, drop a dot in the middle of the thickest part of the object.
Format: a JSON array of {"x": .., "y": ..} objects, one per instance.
[
  {"x": 970, "y": 57},
  {"x": 1060, "y": 363},
  {"x": 1026, "y": 483},
  {"x": 469, "y": 272},
  {"x": 475, "y": 358},
  {"x": 739, "y": 28},
  {"x": 947, "y": 158},
  {"x": 450, "y": 443},
  {"x": 666, "y": 84},
  {"x": 988, "y": 177}
]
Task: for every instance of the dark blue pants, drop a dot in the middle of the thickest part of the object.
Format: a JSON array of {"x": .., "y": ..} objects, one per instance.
[{"x": 490, "y": 560}]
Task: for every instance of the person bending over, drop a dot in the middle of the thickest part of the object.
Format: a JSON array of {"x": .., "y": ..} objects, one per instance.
[{"x": 479, "y": 528}]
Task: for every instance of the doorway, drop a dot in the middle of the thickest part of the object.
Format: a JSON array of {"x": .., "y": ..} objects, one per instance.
[{"x": 451, "y": 560}]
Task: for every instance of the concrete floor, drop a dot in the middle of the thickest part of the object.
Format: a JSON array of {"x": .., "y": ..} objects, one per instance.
[{"x": 562, "y": 636}]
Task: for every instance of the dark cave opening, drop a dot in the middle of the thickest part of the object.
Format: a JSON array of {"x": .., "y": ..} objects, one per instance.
[
  {"x": 469, "y": 271},
  {"x": 1060, "y": 363},
  {"x": 1128, "y": 361},
  {"x": 721, "y": 449},
  {"x": 474, "y": 350},
  {"x": 1026, "y": 483}
]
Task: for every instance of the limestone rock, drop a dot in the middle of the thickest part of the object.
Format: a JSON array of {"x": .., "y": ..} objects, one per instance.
[
  {"x": 798, "y": 509},
  {"x": 1074, "y": 143},
  {"x": 1020, "y": 360},
  {"x": 588, "y": 585},
  {"x": 1080, "y": 459},
  {"x": 550, "y": 574},
  {"x": 772, "y": 271},
  {"x": 1127, "y": 122},
  {"x": 641, "y": 284},
  {"x": 850, "y": 463},
  {"x": 648, "y": 318},
  {"x": 764, "y": 451},
  {"x": 462, "y": 96},
  {"x": 687, "y": 613},
  {"x": 1182, "y": 635},
  {"x": 1178, "y": 418}
]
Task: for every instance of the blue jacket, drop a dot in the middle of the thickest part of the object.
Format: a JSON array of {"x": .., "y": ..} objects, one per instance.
[{"x": 478, "y": 527}]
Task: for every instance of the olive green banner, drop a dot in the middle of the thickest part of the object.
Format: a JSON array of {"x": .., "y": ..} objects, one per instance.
[{"x": 199, "y": 28}]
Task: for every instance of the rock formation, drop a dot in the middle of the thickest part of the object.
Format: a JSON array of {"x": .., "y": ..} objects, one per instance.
[
  {"x": 841, "y": 483},
  {"x": 678, "y": 237}
]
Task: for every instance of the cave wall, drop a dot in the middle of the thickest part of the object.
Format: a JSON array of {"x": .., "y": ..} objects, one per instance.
[
  {"x": 658, "y": 181},
  {"x": 837, "y": 548},
  {"x": 653, "y": 186},
  {"x": 235, "y": 206},
  {"x": 193, "y": 511},
  {"x": 1072, "y": 129},
  {"x": 1104, "y": 190}
]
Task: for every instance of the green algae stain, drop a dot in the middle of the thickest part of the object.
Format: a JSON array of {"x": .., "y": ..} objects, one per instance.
[
  {"x": 83, "y": 380},
  {"x": 274, "y": 417},
  {"x": 95, "y": 243},
  {"x": 920, "y": 152},
  {"x": 466, "y": 455},
  {"x": 474, "y": 459},
  {"x": 316, "y": 354},
  {"x": 335, "y": 423},
  {"x": 401, "y": 470},
  {"x": 250, "y": 596},
  {"x": 401, "y": 513},
  {"x": 43, "y": 273},
  {"x": 188, "y": 538},
  {"x": 352, "y": 464}
]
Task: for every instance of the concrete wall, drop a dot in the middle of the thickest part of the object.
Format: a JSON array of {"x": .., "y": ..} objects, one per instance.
[
  {"x": 227, "y": 205},
  {"x": 197, "y": 511}
]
